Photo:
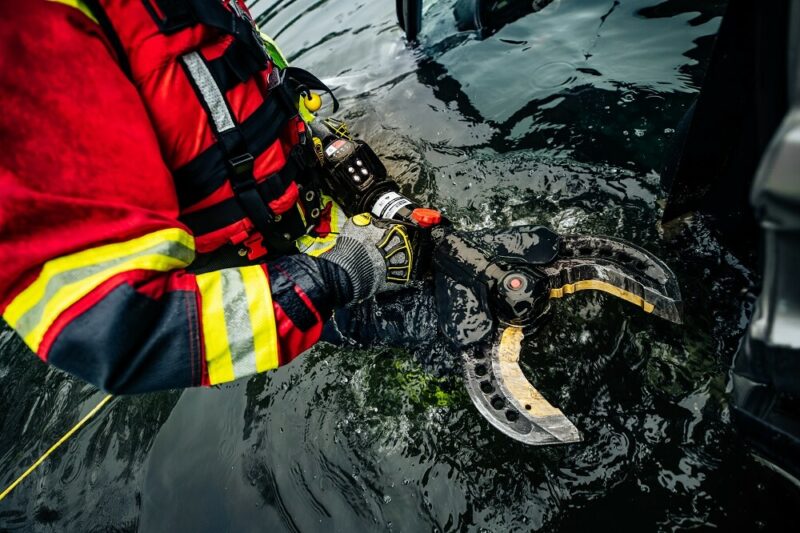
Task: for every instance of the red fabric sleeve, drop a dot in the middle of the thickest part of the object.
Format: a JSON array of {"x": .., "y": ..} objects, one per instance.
[{"x": 93, "y": 254}]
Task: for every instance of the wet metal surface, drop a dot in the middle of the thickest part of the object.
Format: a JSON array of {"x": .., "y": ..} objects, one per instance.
[
  {"x": 504, "y": 396},
  {"x": 562, "y": 118},
  {"x": 499, "y": 287}
]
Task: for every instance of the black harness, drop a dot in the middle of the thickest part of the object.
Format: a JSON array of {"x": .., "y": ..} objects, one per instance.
[{"x": 232, "y": 157}]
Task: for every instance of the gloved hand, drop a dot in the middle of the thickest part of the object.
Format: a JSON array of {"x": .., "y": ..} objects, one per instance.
[{"x": 376, "y": 255}]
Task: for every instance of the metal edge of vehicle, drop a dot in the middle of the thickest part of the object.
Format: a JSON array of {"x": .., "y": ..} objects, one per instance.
[{"x": 765, "y": 375}]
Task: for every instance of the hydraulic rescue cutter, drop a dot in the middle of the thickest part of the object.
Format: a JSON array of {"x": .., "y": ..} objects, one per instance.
[
  {"x": 497, "y": 287},
  {"x": 494, "y": 288}
]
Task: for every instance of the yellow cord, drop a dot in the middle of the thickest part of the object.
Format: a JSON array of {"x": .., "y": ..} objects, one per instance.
[{"x": 55, "y": 446}]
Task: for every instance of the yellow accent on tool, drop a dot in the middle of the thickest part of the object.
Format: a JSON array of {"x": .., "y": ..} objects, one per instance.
[
  {"x": 515, "y": 381},
  {"x": 319, "y": 150},
  {"x": 55, "y": 446},
  {"x": 597, "y": 285},
  {"x": 307, "y": 116},
  {"x": 400, "y": 232},
  {"x": 362, "y": 220},
  {"x": 338, "y": 127}
]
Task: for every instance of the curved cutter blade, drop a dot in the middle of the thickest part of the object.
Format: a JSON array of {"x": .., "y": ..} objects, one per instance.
[
  {"x": 505, "y": 397},
  {"x": 618, "y": 268},
  {"x": 495, "y": 382}
]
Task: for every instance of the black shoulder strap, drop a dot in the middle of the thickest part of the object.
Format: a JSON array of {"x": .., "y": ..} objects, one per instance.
[
  {"x": 111, "y": 34},
  {"x": 172, "y": 15},
  {"x": 176, "y": 15}
]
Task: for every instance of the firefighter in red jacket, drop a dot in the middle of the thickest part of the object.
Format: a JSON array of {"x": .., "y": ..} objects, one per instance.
[{"x": 138, "y": 136}]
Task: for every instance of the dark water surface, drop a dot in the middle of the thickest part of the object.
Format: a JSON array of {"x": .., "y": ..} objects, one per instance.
[{"x": 562, "y": 118}]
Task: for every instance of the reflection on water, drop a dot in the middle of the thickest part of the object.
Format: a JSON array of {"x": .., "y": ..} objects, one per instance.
[{"x": 564, "y": 118}]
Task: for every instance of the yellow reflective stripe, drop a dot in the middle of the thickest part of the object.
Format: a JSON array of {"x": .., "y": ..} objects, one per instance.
[
  {"x": 262, "y": 317},
  {"x": 274, "y": 50},
  {"x": 65, "y": 280},
  {"x": 239, "y": 327},
  {"x": 237, "y": 323},
  {"x": 79, "y": 5},
  {"x": 102, "y": 254},
  {"x": 597, "y": 285},
  {"x": 316, "y": 246},
  {"x": 338, "y": 218},
  {"x": 215, "y": 335}
]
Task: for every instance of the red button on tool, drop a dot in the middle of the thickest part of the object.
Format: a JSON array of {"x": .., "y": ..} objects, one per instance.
[{"x": 426, "y": 217}]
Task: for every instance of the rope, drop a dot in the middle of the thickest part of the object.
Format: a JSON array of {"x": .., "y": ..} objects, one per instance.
[{"x": 55, "y": 446}]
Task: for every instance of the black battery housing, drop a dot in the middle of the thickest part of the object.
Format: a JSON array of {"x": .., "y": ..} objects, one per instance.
[{"x": 354, "y": 174}]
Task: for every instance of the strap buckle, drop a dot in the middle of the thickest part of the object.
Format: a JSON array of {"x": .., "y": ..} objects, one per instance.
[
  {"x": 242, "y": 164},
  {"x": 176, "y": 15},
  {"x": 242, "y": 179},
  {"x": 247, "y": 194},
  {"x": 254, "y": 245}
]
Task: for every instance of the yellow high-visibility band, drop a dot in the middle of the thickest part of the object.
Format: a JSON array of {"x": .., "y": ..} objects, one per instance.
[
  {"x": 262, "y": 317},
  {"x": 215, "y": 334},
  {"x": 338, "y": 216},
  {"x": 93, "y": 256},
  {"x": 274, "y": 51},
  {"x": 597, "y": 285},
  {"x": 79, "y": 5},
  {"x": 316, "y": 246},
  {"x": 239, "y": 329},
  {"x": 65, "y": 280}
]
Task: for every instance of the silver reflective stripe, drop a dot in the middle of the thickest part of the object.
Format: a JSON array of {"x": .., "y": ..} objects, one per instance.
[
  {"x": 237, "y": 323},
  {"x": 210, "y": 91}
]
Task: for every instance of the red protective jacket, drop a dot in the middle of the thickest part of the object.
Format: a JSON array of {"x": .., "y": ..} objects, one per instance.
[{"x": 93, "y": 245}]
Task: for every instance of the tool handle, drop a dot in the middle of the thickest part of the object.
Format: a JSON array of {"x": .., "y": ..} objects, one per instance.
[{"x": 466, "y": 262}]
